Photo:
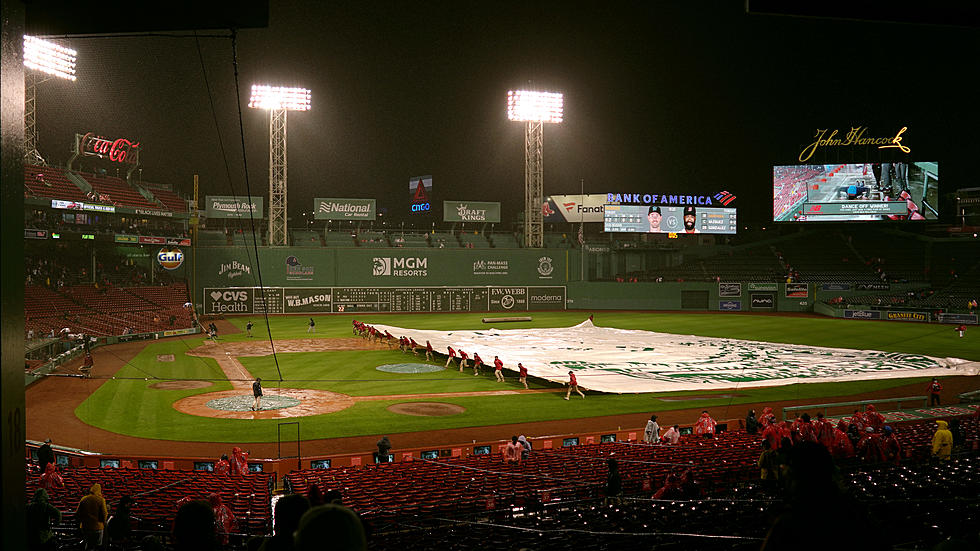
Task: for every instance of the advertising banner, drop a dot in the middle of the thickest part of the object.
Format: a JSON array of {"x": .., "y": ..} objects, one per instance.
[
  {"x": 797, "y": 290},
  {"x": 503, "y": 299},
  {"x": 235, "y": 300},
  {"x": 307, "y": 300},
  {"x": 35, "y": 234},
  {"x": 546, "y": 298},
  {"x": 170, "y": 258},
  {"x": 835, "y": 287},
  {"x": 574, "y": 208},
  {"x": 78, "y": 205},
  {"x": 763, "y": 301},
  {"x": 470, "y": 211},
  {"x": 420, "y": 194},
  {"x": 873, "y": 287},
  {"x": 968, "y": 319},
  {"x": 730, "y": 305},
  {"x": 729, "y": 289},
  {"x": 344, "y": 209},
  {"x": 317, "y": 300},
  {"x": 762, "y": 286},
  {"x": 862, "y": 314},
  {"x": 233, "y": 206},
  {"x": 907, "y": 316}
]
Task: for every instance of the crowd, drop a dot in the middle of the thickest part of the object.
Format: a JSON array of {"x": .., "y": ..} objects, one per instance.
[{"x": 64, "y": 221}]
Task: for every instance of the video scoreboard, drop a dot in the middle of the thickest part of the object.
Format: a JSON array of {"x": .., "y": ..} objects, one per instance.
[
  {"x": 320, "y": 300},
  {"x": 669, "y": 219}
]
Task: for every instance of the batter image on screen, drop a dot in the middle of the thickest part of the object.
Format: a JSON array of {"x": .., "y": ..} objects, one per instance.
[
  {"x": 654, "y": 217},
  {"x": 855, "y": 192},
  {"x": 690, "y": 219}
]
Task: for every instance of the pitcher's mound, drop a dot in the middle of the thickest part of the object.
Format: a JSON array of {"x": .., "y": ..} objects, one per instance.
[
  {"x": 426, "y": 409},
  {"x": 180, "y": 385}
]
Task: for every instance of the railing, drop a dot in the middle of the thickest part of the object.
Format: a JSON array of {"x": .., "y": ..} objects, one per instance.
[{"x": 824, "y": 407}]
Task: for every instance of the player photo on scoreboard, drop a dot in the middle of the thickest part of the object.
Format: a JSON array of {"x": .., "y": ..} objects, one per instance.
[{"x": 855, "y": 192}]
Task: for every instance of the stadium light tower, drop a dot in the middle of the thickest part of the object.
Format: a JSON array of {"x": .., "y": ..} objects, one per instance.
[
  {"x": 44, "y": 60},
  {"x": 278, "y": 100},
  {"x": 534, "y": 108}
]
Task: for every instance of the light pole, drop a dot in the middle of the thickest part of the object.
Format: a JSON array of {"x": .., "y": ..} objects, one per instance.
[
  {"x": 42, "y": 58},
  {"x": 278, "y": 100},
  {"x": 534, "y": 108}
]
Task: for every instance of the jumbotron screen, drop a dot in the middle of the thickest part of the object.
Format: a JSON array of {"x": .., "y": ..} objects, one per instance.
[
  {"x": 855, "y": 192},
  {"x": 673, "y": 219}
]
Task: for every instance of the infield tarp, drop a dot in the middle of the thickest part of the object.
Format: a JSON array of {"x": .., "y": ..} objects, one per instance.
[{"x": 632, "y": 361}]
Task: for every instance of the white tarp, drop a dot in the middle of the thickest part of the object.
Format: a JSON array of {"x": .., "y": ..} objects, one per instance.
[{"x": 628, "y": 361}]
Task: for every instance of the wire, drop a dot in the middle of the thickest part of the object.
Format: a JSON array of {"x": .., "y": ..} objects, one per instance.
[{"x": 248, "y": 192}]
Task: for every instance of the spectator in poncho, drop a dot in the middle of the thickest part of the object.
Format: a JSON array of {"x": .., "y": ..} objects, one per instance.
[{"x": 40, "y": 516}]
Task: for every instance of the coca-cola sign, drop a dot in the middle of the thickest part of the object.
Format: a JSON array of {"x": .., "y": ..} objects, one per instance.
[{"x": 119, "y": 150}]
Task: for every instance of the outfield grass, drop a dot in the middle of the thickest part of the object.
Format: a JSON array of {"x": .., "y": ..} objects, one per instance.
[{"x": 127, "y": 406}]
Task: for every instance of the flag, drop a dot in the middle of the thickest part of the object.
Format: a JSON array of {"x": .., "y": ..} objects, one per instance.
[{"x": 581, "y": 234}]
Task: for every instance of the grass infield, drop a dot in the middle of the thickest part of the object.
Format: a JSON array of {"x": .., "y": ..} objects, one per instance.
[{"x": 127, "y": 406}]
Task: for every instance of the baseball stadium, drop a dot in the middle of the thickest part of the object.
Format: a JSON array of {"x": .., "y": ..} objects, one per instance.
[{"x": 208, "y": 366}]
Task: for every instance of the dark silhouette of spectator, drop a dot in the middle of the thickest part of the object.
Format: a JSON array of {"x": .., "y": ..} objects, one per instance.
[
  {"x": 811, "y": 487},
  {"x": 959, "y": 437},
  {"x": 768, "y": 466},
  {"x": 194, "y": 528},
  {"x": 45, "y": 454},
  {"x": 118, "y": 529},
  {"x": 333, "y": 496},
  {"x": 91, "y": 516},
  {"x": 315, "y": 495},
  {"x": 690, "y": 486},
  {"x": 384, "y": 447},
  {"x": 151, "y": 543},
  {"x": 40, "y": 516},
  {"x": 751, "y": 423},
  {"x": 289, "y": 510},
  {"x": 332, "y": 527},
  {"x": 614, "y": 484}
]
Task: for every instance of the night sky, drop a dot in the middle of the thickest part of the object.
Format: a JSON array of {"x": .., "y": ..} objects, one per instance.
[{"x": 660, "y": 97}]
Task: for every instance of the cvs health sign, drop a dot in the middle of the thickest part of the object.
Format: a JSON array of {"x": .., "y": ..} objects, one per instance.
[{"x": 234, "y": 300}]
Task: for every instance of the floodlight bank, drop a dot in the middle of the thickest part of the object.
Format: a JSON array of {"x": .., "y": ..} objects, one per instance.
[
  {"x": 49, "y": 58},
  {"x": 278, "y": 97},
  {"x": 527, "y": 105}
]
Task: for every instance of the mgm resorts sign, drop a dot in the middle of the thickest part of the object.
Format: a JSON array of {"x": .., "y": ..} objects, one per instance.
[{"x": 399, "y": 266}]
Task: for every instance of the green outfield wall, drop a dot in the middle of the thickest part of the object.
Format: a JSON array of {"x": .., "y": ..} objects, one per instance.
[{"x": 403, "y": 279}]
